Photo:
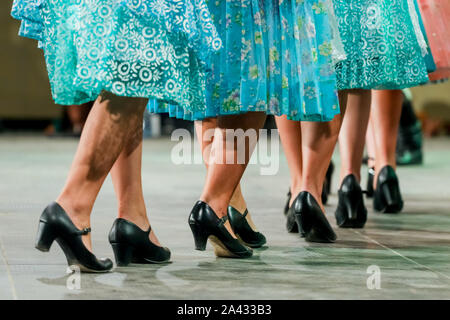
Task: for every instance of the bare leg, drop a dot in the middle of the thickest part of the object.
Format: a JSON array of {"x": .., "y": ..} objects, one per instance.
[
  {"x": 223, "y": 178},
  {"x": 318, "y": 142},
  {"x": 202, "y": 128},
  {"x": 386, "y": 113},
  {"x": 291, "y": 139},
  {"x": 370, "y": 145},
  {"x": 352, "y": 135},
  {"x": 127, "y": 180},
  {"x": 105, "y": 135},
  {"x": 308, "y": 147}
]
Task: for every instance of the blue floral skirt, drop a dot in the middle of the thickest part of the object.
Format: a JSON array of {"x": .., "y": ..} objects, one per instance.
[
  {"x": 135, "y": 48},
  {"x": 382, "y": 45},
  {"x": 277, "y": 57}
]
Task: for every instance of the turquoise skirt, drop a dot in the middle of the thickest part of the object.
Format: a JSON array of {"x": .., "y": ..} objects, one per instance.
[
  {"x": 277, "y": 57},
  {"x": 382, "y": 45},
  {"x": 135, "y": 48}
]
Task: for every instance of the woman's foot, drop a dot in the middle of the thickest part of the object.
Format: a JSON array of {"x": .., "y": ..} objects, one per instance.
[
  {"x": 351, "y": 211},
  {"x": 205, "y": 224},
  {"x": 245, "y": 229},
  {"x": 132, "y": 244},
  {"x": 310, "y": 219},
  {"x": 387, "y": 197},
  {"x": 55, "y": 224}
]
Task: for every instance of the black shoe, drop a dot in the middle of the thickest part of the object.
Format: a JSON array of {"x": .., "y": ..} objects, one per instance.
[
  {"x": 243, "y": 230},
  {"x": 288, "y": 201},
  {"x": 310, "y": 219},
  {"x": 351, "y": 211},
  {"x": 131, "y": 244},
  {"x": 326, "y": 191},
  {"x": 55, "y": 224},
  {"x": 370, "y": 178},
  {"x": 387, "y": 196},
  {"x": 205, "y": 224}
]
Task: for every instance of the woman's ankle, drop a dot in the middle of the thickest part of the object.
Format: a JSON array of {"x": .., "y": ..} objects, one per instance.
[
  {"x": 346, "y": 172},
  {"x": 78, "y": 212},
  {"x": 238, "y": 202},
  {"x": 220, "y": 206},
  {"x": 138, "y": 216}
]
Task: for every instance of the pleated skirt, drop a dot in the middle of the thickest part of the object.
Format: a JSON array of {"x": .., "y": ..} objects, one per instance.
[
  {"x": 382, "y": 43},
  {"x": 277, "y": 57},
  {"x": 135, "y": 48}
]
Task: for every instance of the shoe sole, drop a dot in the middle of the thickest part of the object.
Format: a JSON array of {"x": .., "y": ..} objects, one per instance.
[
  {"x": 253, "y": 246},
  {"x": 220, "y": 250}
]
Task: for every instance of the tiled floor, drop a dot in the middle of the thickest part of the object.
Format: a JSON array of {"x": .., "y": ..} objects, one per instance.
[{"x": 411, "y": 250}]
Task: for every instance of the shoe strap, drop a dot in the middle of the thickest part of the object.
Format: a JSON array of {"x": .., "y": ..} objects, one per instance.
[
  {"x": 223, "y": 220},
  {"x": 245, "y": 213},
  {"x": 84, "y": 232}
]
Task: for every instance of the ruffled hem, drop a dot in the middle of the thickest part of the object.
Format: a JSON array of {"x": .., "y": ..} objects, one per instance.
[
  {"x": 179, "y": 114},
  {"x": 381, "y": 43},
  {"x": 193, "y": 20},
  {"x": 306, "y": 112},
  {"x": 175, "y": 112},
  {"x": 130, "y": 48},
  {"x": 277, "y": 58}
]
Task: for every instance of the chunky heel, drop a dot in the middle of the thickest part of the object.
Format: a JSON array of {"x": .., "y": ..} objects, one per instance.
[
  {"x": 123, "y": 254},
  {"x": 45, "y": 237},
  {"x": 351, "y": 211},
  {"x": 392, "y": 198},
  {"x": 387, "y": 197},
  {"x": 200, "y": 237}
]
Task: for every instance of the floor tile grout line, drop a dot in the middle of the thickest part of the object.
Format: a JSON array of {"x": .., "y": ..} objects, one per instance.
[
  {"x": 8, "y": 271},
  {"x": 400, "y": 255}
]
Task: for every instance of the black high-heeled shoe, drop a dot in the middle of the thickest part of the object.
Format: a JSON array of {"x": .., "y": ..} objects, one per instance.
[
  {"x": 243, "y": 230},
  {"x": 310, "y": 219},
  {"x": 205, "y": 224},
  {"x": 131, "y": 244},
  {"x": 55, "y": 224},
  {"x": 351, "y": 211},
  {"x": 326, "y": 190},
  {"x": 387, "y": 196},
  {"x": 370, "y": 178}
]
